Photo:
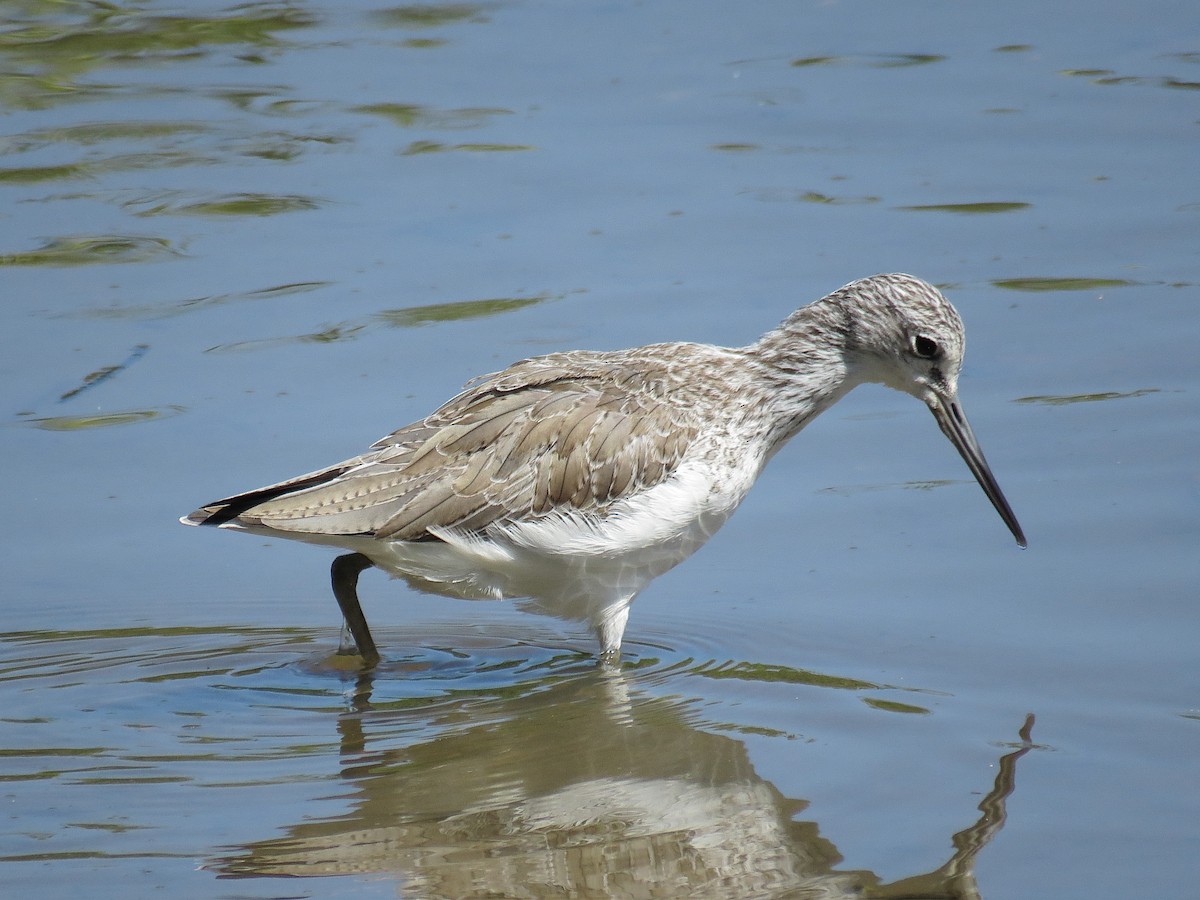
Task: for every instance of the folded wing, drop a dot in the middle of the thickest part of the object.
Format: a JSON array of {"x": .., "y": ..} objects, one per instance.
[{"x": 555, "y": 433}]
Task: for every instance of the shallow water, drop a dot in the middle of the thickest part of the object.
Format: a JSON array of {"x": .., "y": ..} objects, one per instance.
[
  {"x": 241, "y": 242},
  {"x": 473, "y": 762}
]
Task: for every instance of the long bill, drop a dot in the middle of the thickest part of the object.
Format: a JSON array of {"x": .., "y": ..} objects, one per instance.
[{"x": 954, "y": 425}]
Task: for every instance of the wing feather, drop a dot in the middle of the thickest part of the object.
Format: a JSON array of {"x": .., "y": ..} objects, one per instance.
[{"x": 566, "y": 430}]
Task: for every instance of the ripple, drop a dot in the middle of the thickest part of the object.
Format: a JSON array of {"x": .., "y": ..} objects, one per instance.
[
  {"x": 192, "y": 304},
  {"x": 768, "y": 674},
  {"x": 244, "y": 204},
  {"x": 1060, "y": 284},
  {"x": 1066, "y": 399},
  {"x": 416, "y": 115},
  {"x": 895, "y": 706},
  {"x": 928, "y": 484},
  {"x": 429, "y": 15},
  {"x": 104, "y": 420},
  {"x": 90, "y": 249},
  {"x": 414, "y": 316},
  {"x": 458, "y": 657},
  {"x": 305, "y": 667},
  {"x": 36, "y": 174},
  {"x": 409, "y": 317},
  {"x": 786, "y": 195},
  {"x": 89, "y": 133},
  {"x": 106, "y": 373},
  {"x": 1109, "y": 77},
  {"x": 418, "y": 147},
  {"x": 344, "y": 331},
  {"x": 871, "y": 60},
  {"x": 147, "y": 34},
  {"x": 984, "y": 208}
]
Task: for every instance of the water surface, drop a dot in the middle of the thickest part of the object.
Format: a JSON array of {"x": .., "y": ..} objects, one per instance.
[{"x": 239, "y": 242}]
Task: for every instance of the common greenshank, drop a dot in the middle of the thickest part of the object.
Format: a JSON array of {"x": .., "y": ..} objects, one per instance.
[{"x": 571, "y": 480}]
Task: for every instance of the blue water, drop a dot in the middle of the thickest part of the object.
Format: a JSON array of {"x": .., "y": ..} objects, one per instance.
[{"x": 241, "y": 242}]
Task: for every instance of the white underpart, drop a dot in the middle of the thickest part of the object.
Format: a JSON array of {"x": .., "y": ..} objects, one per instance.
[{"x": 574, "y": 565}]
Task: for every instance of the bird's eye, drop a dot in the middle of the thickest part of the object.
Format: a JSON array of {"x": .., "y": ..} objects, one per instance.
[{"x": 926, "y": 348}]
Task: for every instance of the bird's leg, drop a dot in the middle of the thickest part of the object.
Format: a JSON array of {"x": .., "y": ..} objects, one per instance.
[
  {"x": 344, "y": 574},
  {"x": 609, "y": 627}
]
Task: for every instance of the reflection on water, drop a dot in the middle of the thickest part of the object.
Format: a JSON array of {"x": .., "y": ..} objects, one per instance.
[
  {"x": 51, "y": 55},
  {"x": 414, "y": 115},
  {"x": 991, "y": 206},
  {"x": 103, "y": 420},
  {"x": 244, "y": 204},
  {"x": 581, "y": 786},
  {"x": 872, "y": 61},
  {"x": 190, "y": 305},
  {"x": 1064, "y": 399},
  {"x": 1061, "y": 284},
  {"x": 408, "y": 317},
  {"x": 477, "y": 764},
  {"x": 104, "y": 373},
  {"x": 91, "y": 249}
]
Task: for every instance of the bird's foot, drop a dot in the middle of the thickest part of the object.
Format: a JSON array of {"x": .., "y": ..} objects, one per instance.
[{"x": 610, "y": 658}]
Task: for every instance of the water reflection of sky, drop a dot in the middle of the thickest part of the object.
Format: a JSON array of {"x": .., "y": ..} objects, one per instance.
[{"x": 239, "y": 242}]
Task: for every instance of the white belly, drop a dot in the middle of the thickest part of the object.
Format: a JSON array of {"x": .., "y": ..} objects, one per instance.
[{"x": 573, "y": 565}]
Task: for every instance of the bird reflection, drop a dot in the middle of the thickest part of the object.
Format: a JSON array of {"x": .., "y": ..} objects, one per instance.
[{"x": 583, "y": 786}]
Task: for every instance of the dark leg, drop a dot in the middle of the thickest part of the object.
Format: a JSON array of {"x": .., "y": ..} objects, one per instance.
[{"x": 345, "y": 572}]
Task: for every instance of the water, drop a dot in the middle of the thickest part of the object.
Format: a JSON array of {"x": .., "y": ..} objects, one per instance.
[
  {"x": 240, "y": 242},
  {"x": 473, "y": 761}
]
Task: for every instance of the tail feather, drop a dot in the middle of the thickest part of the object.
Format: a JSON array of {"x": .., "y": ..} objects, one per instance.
[{"x": 220, "y": 512}]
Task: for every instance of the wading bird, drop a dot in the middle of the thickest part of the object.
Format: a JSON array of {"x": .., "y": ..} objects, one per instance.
[{"x": 571, "y": 480}]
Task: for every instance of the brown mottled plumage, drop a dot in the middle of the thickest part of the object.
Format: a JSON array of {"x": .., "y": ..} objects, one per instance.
[
  {"x": 564, "y": 430},
  {"x": 573, "y": 479}
]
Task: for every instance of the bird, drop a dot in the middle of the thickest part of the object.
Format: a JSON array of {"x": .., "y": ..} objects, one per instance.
[{"x": 569, "y": 481}]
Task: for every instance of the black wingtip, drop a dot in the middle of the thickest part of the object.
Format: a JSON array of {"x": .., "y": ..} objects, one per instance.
[
  {"x": 220, "y": 512},
  {"x": 212, "y": 514},
  {"x": 227, "y": 513}
]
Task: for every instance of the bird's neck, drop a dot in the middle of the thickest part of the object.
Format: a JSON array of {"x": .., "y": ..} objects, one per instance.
[{"x": 804, "y": 366}]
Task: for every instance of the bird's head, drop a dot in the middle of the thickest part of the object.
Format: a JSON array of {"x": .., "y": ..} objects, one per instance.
[{"x": 901, "y": 331}]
